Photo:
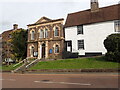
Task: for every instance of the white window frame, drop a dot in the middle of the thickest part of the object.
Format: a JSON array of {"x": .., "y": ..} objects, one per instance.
[
  {"x": 41, "y": 35},
  {"x": 82, "y": 47},
  {"x": 46, "y": 33},
  {"x": 58, "y": 33},
  {"x": 117, "y": 25},
  {"x": 80, "y": 29},
  {"x": 33, "y": 35}
]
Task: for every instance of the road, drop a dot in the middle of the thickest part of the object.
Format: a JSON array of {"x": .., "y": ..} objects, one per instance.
[{"x": 82, "y": 80}]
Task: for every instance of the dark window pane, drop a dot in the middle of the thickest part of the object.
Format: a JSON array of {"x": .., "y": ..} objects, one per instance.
[
  {"x": 80, "y": 44},
  {"x": 117, "y": 26},
  {"x": 80, "y": 29},
  {"x": 69, "y": 43},
  {"x": 57, "y": 49},
  {"x": 32, "y": 35},
  {"x": 56, "y": 31}
]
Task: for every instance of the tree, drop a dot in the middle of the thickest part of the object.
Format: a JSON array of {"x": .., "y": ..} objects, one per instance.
[
  {"x": 112, "y": 44},
  {"x": 19, "y": 44}
]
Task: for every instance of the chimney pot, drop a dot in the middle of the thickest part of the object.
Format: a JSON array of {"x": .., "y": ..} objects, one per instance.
[
  {"x": 15, "y": 26},
  {"x": 94, "y": 6}
]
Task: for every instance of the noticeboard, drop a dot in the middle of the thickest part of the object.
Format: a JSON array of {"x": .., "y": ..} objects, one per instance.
[{"x": 50, "y": 51}]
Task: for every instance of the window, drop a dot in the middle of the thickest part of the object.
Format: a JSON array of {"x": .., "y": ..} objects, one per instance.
[
  {"x": 41, "y": 33},
  {"x": 46, "y": 33},
  {"x": 69, "y": 43},
  {"x": 32, "y": 51},
  {"x": 117, "y": 26},
  {"x": 10, "y": 36},
  {"x": 56, "y": 49},
  {"x": 32, "y": 35},
  {"x": 69, "y": 46},
  {"x": 56, "y": 33},
  {"x": 80, "y": 44},
  {"x": 80, "y": 29}
]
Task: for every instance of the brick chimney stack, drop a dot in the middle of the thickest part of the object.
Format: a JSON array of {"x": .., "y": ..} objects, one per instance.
[
  {"x": 15, "y": 26},
  {"x": 94, "y": 6}
]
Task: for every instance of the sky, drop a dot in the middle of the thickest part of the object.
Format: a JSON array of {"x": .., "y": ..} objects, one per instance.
[{"x": 24, "y": 12}]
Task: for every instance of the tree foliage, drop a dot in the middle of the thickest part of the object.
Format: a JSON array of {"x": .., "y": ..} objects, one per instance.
[
  {"x": 112, "y": 44},
  {"x": 19, "y": 44}
]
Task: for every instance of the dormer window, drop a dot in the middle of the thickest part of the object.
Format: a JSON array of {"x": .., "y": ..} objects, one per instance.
[
  {"x": 32, "y": 35},
  {"x": 117, "y": 26},
  {"x": 56, "y": 33}
]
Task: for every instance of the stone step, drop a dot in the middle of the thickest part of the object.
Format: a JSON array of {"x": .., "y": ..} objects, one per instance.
[{"x": 25, "y": 66}]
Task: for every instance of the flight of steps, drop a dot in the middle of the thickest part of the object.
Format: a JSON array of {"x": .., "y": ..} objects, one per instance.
[{"x": 27, "y": 64}]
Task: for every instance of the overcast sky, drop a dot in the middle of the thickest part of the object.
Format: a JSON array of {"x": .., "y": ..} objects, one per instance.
[{"x": 24, "y": 12}]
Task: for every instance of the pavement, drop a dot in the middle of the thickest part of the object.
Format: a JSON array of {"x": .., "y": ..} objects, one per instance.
[{"x": 60, "y": 80}]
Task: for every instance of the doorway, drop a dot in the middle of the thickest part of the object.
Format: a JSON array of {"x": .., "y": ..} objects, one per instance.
[{"x": 43, "y": 50}]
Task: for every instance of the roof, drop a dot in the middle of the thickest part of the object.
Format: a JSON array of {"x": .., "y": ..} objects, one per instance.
[
  {"x": 5, "y": 34},
  {"x": 87, "y": 17},
  {"x": 8, "y": 31},
  {"x": 44, "y": 20}
]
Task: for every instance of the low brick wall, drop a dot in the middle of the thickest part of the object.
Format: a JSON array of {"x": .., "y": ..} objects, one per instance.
[
  {"x": 75, "y": 70},
  {"x": 72, "y": 70},
  {"x": 5, "y": 71},
  {"x": 100, "y": 70}
]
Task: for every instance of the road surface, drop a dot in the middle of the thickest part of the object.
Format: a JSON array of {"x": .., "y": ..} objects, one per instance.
[{"x": 82, "y": 80}]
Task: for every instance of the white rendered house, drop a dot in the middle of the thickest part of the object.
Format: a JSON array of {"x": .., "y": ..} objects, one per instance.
[{"x": 85, "y": 31}]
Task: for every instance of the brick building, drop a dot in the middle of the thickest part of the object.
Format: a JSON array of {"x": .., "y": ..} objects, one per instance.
[
  {"x": 45, "y": 38},
  {"x": 0, "y": 47},
  {"x": 6, "y": 45}
]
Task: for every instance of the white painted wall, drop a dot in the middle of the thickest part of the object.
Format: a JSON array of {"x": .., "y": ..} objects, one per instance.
[
  {"x": 94, "y": 36},
  {"x": 71, "y": 34}
]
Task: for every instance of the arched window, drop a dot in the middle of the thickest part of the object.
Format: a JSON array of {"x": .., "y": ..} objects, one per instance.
[
  {"x": 32, "y": 35},
  {"x": 46, "y": 33},
  {"x": 41, "y": 33},
  {"x": 56, "y": 33},
  {"x": 32, "y": 51},
  {"x": 56, "y": 49}
]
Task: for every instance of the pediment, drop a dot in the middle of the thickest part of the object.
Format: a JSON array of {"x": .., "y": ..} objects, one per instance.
[{"x": 43, "y": 19}]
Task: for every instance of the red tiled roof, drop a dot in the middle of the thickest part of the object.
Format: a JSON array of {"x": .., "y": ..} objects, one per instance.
[
  {"x": 87, "y": 17},
  {"x": 8, "y": 31}
]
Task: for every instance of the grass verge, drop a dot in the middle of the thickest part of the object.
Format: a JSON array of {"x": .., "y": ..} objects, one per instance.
[
  {"x": 80, "y": 63},
  {"x": 10, "y": 67}
]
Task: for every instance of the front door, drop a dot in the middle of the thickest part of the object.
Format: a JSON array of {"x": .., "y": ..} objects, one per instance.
[
  {"x": 43, "y": 50},
  {"x": 69, "y": 46}
]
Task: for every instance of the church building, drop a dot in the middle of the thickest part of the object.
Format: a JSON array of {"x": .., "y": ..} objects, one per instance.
[{"x": 45, "y": 39}]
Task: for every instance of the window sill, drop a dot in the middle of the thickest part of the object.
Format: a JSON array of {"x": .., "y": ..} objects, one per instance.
[
  {"x": 81, "y": 49},
  {"x": 80, "y": 34},
  {"x": 56, "y": 36},
  {"x": 56, "y": 53}
]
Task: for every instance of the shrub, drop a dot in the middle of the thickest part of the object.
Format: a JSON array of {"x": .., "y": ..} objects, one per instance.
[
  {"x": 66, "y": 54},
  {"x": 112, "y": 44}
]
